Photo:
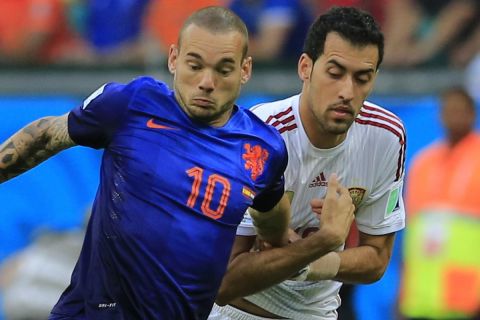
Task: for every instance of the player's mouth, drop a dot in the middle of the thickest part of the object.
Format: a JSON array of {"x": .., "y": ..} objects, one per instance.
[
  {"x": 342, "y": 112},
  {"x": 203, "y": 102}
]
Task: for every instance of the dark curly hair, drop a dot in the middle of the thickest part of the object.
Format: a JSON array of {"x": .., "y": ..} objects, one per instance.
[{"x": 354, "y": 25}]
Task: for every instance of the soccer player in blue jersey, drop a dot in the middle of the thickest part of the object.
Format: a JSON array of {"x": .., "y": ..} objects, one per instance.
[{"x": 179, "y": 169}]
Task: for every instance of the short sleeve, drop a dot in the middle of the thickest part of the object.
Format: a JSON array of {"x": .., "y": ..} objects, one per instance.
[
  {"x": 93, "y": 123},
  {"x": 266, "y": 200},
  {"x": 272, "y": 194},
  {"x": 383, "y": 212},
  {"x": 246, "y": 227},
  {"x": 384, "y": 215}
]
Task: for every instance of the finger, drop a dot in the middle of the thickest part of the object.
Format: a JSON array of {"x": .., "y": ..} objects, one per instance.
[
  {"x": 333, "y": 185},
  {"x": 317, "y": 203},
  {"x": 317, "y": 210},
  {"x": 266, "y": 246},
  {"x": 317, "y": 206},
  {"x": 344, "y": 192},
  {"x": 259, "y": 244},
  {"x": 293, "y": 236}
]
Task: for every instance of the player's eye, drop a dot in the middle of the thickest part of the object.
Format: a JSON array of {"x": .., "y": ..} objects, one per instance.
[
  {"x": 363, "y": 79},
  {"x": 195, "y": 66},
  {"x": 225, "y": 71},
  {"x": 335, "y": 75}
]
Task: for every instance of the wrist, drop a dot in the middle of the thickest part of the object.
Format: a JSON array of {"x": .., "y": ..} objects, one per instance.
[
  {"x": 302, "y": 274},
  {"x": 326, "y": 240},
  {"x": 324, "y": 268}
]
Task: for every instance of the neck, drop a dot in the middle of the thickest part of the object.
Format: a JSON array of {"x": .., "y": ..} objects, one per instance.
[
  {"x": 454, "y": 139},
  {"x": 316, "y": 133},
  {"x": 222, "y": 119}
]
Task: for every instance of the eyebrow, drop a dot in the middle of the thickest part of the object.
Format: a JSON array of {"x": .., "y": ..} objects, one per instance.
[
  {"x": 222, "y": 61},
  {"x": 340, "y": 66}
]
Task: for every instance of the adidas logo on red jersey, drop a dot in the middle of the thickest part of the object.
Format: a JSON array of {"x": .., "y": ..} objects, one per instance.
[{"x": 319, "y": 181}]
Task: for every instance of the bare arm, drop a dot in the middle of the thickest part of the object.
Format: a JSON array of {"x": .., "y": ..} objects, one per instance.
[
  {"x": 465, "y": 53},
  {"x": 363, "y": 264},
  {"x": 272, "y": 226},
  {"x": 250, "y": 272},
  {"x": 33, "y": 144},
  {"x": 367, "y": 262},
  {"x": 268, "y": 44},
  {"x": 402, "y": 18},
  {"x": 449, "y": 22}
]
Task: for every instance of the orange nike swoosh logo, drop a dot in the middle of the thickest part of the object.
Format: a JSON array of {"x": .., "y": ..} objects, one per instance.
[{"x": 153, "y": 125}]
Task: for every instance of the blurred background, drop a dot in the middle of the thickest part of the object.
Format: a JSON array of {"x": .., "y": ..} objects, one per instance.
[{"x": 54, "y": 53}]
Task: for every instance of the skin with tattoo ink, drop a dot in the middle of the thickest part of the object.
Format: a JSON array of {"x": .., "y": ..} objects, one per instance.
[{"x": 32, "y": 145}]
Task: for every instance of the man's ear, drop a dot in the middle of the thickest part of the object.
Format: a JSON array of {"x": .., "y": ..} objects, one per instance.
[
  {"x": 246, "y": 71},
  {"x": 305, "y": 65},
  {"x": 172, "y": 58}
]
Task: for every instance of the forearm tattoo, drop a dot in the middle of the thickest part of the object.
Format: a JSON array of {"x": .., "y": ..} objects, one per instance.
[{"x": 33, "y": 144}]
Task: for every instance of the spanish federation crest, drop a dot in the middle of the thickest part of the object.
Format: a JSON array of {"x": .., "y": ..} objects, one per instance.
[{"x": 357, "y": 194}]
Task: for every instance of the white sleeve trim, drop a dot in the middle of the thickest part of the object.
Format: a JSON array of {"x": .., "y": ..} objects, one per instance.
[
  {"x": 246, "y": 227},
  {"x": 397, "y": 226},
  {"x": 95, "y": 94}
]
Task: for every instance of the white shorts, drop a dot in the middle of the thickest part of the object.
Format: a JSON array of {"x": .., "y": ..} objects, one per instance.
[{"x": 231, "y": 313}]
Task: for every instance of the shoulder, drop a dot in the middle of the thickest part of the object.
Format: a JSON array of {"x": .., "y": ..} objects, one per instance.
[
  {"x": 114, "y": 98},
  {"x": 428, "y": 153},
  {"x": 280, "y": 114},
  {"x": 473, "y": 140},
  {"x": 144, "y": 93},
  {"x": 131, "y": 88},
  {"x": 382, "y": 132},
  {"x": 264, "y": 131},
  {"x": 148, "y": 83},
  {"x": 257, "y": 135},
  {"x": 381, "y": 123}
]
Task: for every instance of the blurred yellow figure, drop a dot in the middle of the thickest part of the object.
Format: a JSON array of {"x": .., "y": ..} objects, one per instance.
[{"x": 442, "y": 259}]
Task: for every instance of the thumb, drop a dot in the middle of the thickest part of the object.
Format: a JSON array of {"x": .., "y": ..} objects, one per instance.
[{"x": 343, "y": 192}]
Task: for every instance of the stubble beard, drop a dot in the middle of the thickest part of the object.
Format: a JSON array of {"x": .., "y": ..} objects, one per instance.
[
  {"x": 207, "y": 116},
  {"x": 194, "y": 112},
  {"x": 331, "y": 126}
]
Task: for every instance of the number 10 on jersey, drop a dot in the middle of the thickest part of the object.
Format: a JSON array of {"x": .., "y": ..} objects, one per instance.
[{"x": 198, "y": 174}]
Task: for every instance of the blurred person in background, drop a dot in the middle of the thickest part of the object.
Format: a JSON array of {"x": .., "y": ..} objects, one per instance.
[
  {"x": 277, "y": 28},
  {"x": 164, "y": 21},
  {"x": 466, "y": 53},
  {"x": 114, "y": 31},
  {"x": 430, "y": 33},
  {"x": 37, "y": 32},
  {"x": 376, "y": 8},
  {"x": 441, "y": 278},
  {"x": 32, "y": 279},
  {"x": 472, "y": 77}
]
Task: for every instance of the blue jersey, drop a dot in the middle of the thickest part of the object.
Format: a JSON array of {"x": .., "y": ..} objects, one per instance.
[{"x": 172, "y": 192}]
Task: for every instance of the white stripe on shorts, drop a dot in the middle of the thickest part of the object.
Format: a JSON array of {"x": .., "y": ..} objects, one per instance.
[{"x": 231, "y": 313}]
